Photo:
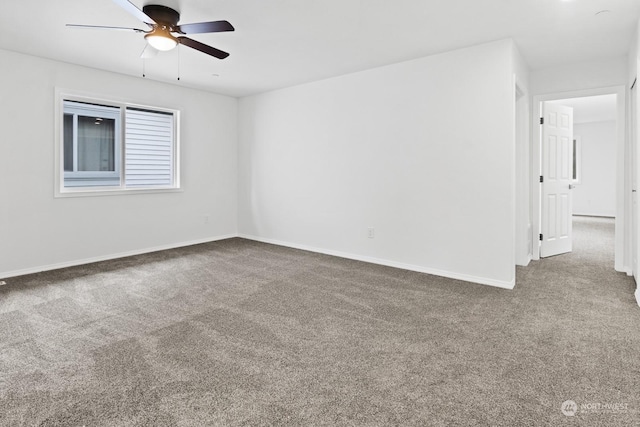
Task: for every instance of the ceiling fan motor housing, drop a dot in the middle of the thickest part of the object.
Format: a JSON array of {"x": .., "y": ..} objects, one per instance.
[{"x": 162, "y": 14}]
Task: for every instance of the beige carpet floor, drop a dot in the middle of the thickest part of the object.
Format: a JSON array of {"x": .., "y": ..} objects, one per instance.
[{"x": 244, "y": 333}]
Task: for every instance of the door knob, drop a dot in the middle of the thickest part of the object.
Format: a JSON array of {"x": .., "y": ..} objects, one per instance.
[{"x": 571, "y": 186}]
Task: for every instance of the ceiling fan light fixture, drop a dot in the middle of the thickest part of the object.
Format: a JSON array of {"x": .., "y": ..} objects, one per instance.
[
  {"x": 162, "y": 22},
  {"x": 161, "y": 39}
]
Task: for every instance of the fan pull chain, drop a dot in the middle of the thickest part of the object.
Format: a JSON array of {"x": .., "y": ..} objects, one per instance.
[
  {"x": 144, "y": 63},
  {"x": 179, "y": 57}
]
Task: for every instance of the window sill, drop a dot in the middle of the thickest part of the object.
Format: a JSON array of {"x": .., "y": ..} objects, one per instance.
[{"x": 99, "y": 192}]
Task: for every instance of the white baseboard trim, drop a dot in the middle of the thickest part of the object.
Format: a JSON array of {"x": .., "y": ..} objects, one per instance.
[
  {"x": 638, "y": 295},
  {"x": 594, "y": 215},
  {"x": 372, "y": 260},
  {"x": 74, "y": 263}
]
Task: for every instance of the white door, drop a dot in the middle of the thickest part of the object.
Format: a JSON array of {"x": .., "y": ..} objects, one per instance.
[{"x": 557, "y": 173}]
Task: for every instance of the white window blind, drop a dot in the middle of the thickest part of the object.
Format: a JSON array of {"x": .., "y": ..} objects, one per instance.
[{"x": 148, "y": 148}]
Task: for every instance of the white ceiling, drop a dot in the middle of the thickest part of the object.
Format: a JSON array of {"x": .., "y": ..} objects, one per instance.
[
  {"x": 279, "y": 43},
  {"x": 601, "y": 108}
]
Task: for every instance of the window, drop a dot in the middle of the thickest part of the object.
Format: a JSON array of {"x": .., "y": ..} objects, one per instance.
[
  {"x": 91, "y": 135},
  {"x": 107, "y": 146},
  {"x": 577, "y": 160}
]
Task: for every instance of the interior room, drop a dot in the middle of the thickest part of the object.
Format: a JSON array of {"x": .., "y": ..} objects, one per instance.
[
  {"x": 594, "y": 156},
  {"x": 319, "y": 213},
  {"x": 594, "y": 171}
]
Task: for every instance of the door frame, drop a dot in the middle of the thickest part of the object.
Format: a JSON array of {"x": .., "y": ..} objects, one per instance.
[
  {"x": 634, "y": 131},
  {"x": 633, "y": 144},
  {"x": 522, "y": 235},
  {"x": 623, "y": 175}
]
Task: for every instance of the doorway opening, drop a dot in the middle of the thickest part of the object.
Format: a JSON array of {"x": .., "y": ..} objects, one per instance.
[{"x": 597, "y": 171}]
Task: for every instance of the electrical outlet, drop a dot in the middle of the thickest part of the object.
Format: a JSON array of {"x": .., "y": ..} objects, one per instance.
[
  {"x": 206, "y": 219},
  {"x": 371, "y": 233}
]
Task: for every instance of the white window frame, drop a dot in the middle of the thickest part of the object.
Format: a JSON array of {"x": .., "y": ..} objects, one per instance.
[{"x": 61, "y": 191}]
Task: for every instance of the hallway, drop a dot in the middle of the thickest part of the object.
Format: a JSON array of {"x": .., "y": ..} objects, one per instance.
[{"x": 587, "y": 323}]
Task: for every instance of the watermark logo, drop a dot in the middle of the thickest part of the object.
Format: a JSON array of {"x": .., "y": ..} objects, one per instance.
[{"x": 569, "y": 408}]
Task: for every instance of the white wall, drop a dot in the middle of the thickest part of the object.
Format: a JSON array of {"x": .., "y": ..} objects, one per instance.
[
  {"x": 423, "y": 151},
  {"x": 579, "y": 76},
  {"x": 596, "y": 193},
  {"x": 38, "y": 231},
  {"x": 633, "y": 56}
]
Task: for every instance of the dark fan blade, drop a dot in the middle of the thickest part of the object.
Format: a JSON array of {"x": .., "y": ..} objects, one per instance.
[
  {"x": 205, "y": 27},
  {"x": 132, "y": 9},
  {"x": 203, "y": 47},
  {"x": 101, "y": 27}
]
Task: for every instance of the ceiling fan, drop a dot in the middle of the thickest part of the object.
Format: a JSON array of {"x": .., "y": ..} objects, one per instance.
[{"x": 163, "y": 24}]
